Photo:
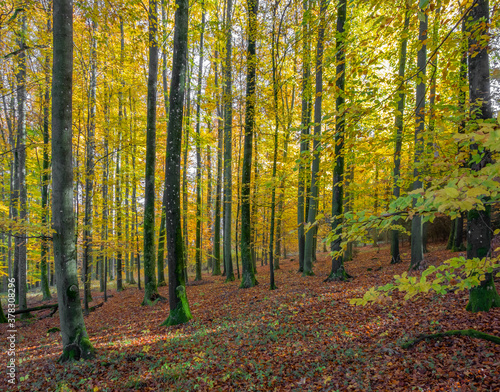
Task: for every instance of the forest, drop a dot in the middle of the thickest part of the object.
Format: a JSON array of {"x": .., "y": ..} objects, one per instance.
[{"x": 260, "y": 195}]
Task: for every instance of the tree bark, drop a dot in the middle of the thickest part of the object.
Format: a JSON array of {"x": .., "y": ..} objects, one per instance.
[
  {"x": 338, "y": 271},
  {"x": 179, "y": 307},
  {"x": 248, "y": 275},
  {"x": 198, "y": 255},
  {"x": 417, "y": 249},
  {"x": 304, "y": 141},
  {"x": 228, "y": 124},
  {"x": 399, "y": 125},
  {"x": 313, "y": 197},
  {"x": 76, "y": 343}
]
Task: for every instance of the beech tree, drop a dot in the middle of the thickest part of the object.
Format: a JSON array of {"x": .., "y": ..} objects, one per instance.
[
  {"x": 76, "y": 343},
  {"x": 179, "y": 306}
]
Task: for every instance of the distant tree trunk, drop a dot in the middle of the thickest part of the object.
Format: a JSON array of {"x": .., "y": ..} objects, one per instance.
[
  {"x": 118, "y": 170},
  {"x": 218, "y": 189},
  {"x": 228, "y": 124},
  {"x": 399, "y": 124},
  {"x": 44, "y": 281},
  {"x": 210, "y": 258},
  {"x": 150, "y": 288},
  {"x": 162, "y": 236},
  {"x": 105, "y": 211},
  {"x": 187, "y": 121},
  {"x": 417, "y": 250},
  {"x": 89, "y": 172},
  {"x": 179, "y": 307},
  {"x": 76, "y": 343},
  {"x": 134, "y": 207},
  {"x": 198, "y": 152},
  {"x": 238, "y": 197},
  {"x": 21, "y": 240},
  {"x": 274, "y": 55},
  {"x": 304, "y": 141},
  {"x": 248, "y": 275},
  {"x": 485, "y": 296},
  {"x": 338, "y": 271},
  {"x": 313, "y": 197}
]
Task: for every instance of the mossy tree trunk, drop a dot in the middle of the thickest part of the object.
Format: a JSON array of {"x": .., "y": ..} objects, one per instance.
[
  {"x": 228, "y": 124},
  {"x": 485, "y": 296},
  {"x": 304, "y": 140},
  {"x": 218, "y": 188},
  {"x": 399, "y": 125},
  {"x": 150, "y": 288},
  {"x": 309, "y": 248},
  {"x": 44, "y": 251},
  {"x": 417, "y": 249},
  {"x": 179, "y": 307},
  {"x": 198, "y": 255},
  {"x": 248, "y": 275},
  {"x": 76, "y": 343},
  {"x": 338, "y": 271}
]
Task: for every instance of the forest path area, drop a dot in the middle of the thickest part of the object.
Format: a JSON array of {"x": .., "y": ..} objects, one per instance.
[{"x": 304, "y": 336}]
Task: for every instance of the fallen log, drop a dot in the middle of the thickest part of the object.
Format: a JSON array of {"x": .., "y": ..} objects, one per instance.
[{"x": 36, "y": 308}]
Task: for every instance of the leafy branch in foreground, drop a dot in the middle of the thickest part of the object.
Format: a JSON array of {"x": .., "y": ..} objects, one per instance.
[{"x": 456, "y": 274}]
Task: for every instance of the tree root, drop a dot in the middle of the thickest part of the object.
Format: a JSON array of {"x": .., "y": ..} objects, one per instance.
[{"x": 463, "y": 332}]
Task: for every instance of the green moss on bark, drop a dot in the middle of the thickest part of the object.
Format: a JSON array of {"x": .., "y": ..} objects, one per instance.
[
  {"x": 181, "y": 313},
  {"x": 81, "y": 348},
  {"x": 484, "y": 297}
]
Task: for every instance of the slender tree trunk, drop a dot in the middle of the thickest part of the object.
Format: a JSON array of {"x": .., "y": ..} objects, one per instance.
[
  {"x": 398, "y": 123},
  {"x": 248, "y": 275},
  {"x": 338, "y": 271},
  {"x": 76, "y": 343},
  {"x": 458, "y": 235},
  {"x": 150, "y": 288},
  {"x": 228, "y": 124},
  {"x": 198, "y": 152},
  {"x": 218, "y": 188},
  {"x": 485, "y": 296},
  {"x": 162, "y": 236},
  {"x": 417, "y": 250},
  {"x": 179, "y": 307},
  {"x": 89, "y": 172},
  {"x": 304, "y": 141},
  {"x": 187, "y": 121},
  {"x": 313, "y": 198},
  {"x": 210, "y": 258},
  {"x": 44, "y": 281},
  {"x": 21, "y": 245}
]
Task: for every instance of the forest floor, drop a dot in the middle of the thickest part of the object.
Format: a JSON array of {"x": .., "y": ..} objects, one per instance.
[{"x": 304, "y": 336}]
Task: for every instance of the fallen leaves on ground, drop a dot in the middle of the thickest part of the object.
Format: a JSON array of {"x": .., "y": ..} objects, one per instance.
[{"x": 304, "y": 336}]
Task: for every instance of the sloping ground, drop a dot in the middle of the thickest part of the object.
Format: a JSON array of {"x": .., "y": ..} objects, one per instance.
[{"x": 305, "y": 336}]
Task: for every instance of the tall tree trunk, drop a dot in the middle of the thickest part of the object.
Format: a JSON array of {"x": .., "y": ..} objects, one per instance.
[
  {"x": 313, "y": 197},
  {"x": 44, "y": 281},
  {"x": 228, "y": 124},
  {"x": 338, "y": 271},
  {"x": 218, "y": 188},
  {"x": 187, "y": 121},
  {"x": 198, "y": 152},
  {"x": 89, "y": 170},
  {"x": 162, "y": 236},
  {"x": 179, "y": 307},
  {"x": 150, "y": 288},
  {"x": 485, "y": 296},
  {"x": 21, "y": 245},
  {"x": 248, "y": 275},
  {"x": 210, "y": 258},
  {"x": 458, "y": 235},
  {"x": 304, "y": 141},
  {"x": 118, "y": 172},
  {"x": 76, "y": 343},
  {"x": 417, "y": 250},
  {"x": 398, "y": 124}
]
